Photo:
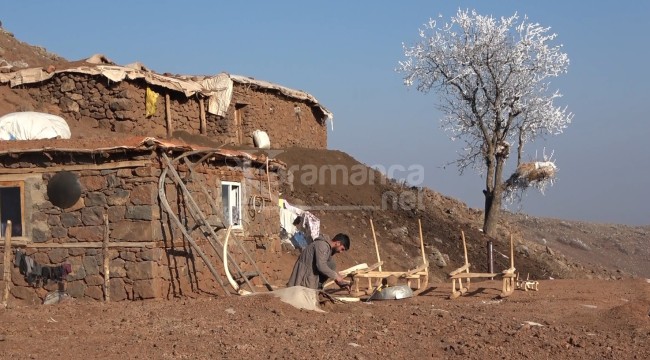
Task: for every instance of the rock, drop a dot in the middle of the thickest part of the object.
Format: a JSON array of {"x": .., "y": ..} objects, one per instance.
[
  {"x": 437, "y": 258},
  {"x": 523, "y": 250},
  {"x": 402, "y": 232}
]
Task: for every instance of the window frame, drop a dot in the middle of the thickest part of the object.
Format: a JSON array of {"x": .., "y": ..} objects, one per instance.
[
  {"x": 21, "y": 185},
  {"x": 229, "y": 217}
]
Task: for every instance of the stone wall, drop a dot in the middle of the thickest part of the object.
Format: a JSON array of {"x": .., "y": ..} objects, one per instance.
[
  {"x": 93, "y": 101},
  {"x": 185, "y": 271},
  {"x": 168, "y": 266},
  {"x": 127, "y": 196}
]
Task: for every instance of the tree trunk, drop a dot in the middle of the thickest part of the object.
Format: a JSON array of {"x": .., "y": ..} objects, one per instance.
[
  {"x": 492, "y": 210},
  {"x": 493, "y": 194}
]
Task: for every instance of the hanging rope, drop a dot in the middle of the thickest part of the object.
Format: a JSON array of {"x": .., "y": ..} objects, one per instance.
[{"x": 253, "y": 200}]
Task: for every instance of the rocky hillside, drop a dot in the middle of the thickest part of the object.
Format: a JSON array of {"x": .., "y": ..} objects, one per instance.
[{"x": 545, "y": 248}]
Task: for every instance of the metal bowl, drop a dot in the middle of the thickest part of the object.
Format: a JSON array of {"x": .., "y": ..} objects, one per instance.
[{"x": 393, "y": 293}]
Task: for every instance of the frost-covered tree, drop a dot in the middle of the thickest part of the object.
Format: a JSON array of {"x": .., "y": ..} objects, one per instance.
[{"x": 492, "y": 76}]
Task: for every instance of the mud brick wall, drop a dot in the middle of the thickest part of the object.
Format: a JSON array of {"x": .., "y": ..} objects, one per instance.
[
  {"x": 93, "y": 101},
  {"x": 253, "y": 109},
  {"x": 184, "y": 271}
]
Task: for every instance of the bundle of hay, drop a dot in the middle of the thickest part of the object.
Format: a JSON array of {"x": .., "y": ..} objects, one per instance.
[{"x": 538, "y": 174}]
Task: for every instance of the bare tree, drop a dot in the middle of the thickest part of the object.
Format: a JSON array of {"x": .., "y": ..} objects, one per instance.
[{"x": 492, "y": 77}]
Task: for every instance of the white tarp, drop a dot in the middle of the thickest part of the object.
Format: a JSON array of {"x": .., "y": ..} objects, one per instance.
[
  {"x": 218, "y": 89},
  {"x": 31, "y": 125}
]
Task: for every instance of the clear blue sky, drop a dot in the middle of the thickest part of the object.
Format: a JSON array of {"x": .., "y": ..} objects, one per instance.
[{"x": 345, "y": 53}]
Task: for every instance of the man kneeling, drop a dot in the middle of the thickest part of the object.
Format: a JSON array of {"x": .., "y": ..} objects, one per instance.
[{"x": 315, "y": 264}]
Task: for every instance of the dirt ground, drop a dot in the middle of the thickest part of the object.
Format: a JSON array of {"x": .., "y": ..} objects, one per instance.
[{"x": 565, "y": 319}]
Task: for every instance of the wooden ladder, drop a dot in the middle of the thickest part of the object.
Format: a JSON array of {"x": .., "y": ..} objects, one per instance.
[{"x": 201, "y": 220}]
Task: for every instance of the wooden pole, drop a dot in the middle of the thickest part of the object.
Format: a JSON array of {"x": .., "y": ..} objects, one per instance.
[
  {"x": 204, "y": 125},
  {"x": 424, "y": 258},
  {"x": 462, "y": 234},
  {"x": 168, "y": 115},
  {"x": 53, "y": 169},
  {"x": 7, "y": 264},
  {"x": 107, "y": 260},
  {"x": 512, "y": 254},
  {"x": 425, "y": 261},
  {"x": 268, "y": 180},
  {"x": 374, "y": 237}
]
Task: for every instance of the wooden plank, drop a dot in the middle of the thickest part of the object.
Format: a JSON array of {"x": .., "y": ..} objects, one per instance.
[
  {"x": 104, "y": 166},
  {"x": 473, "y": 275},
  {"x": 354, "y": 268},
  {"x": 106, "y": 261},
  {"x": 460, "y": 269},
  {"x": 508, "y": 273},
  {"x": 7, "y": 265},
  {"x": 95, "y": 244},
  {"x": 347, "y": 272},
  {"x": 383, "y": 274},
  {"x": 370, "y": 268},
  {"x": 346, "y": 298},
  {"x": 421, "y": 268}
]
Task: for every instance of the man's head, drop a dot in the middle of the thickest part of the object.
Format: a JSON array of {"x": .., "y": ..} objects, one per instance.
[{"x": 341, "y": 243}]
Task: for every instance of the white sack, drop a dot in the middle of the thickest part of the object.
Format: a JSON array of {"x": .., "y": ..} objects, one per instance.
[
  {"x": 261, "y": 139},
  {"x": 299, "y": 297},
  {"x": 31, "y": 125}
]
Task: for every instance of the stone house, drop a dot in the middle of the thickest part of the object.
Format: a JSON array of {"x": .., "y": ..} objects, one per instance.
[
  {"x": 132, "y": 99},
  {"x": 134, "y": 202}
]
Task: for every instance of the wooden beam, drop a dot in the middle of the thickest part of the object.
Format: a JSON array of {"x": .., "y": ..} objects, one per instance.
[
  {"x": 7, "y": 264},
  {"x": 168, "y": 116},
  {"x": 96, "y": 244},
  {"x": 204, "y": 124},
  {"x": 104, "y": 166},
  {"x": 374, "y": 237},
  {"x": 107, "y": 260}
]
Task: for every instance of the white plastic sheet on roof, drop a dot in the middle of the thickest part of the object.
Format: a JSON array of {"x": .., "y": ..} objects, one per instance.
[
  {"x": 218, "y": 89},
  {"x": 31, "y": 125}
]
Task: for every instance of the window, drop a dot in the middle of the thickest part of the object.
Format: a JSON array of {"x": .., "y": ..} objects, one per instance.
[
  {"x": 11, "y": 207},
  {"x": 231, "y": 200}
]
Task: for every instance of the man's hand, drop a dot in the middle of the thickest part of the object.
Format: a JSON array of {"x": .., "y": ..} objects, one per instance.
[{"x": 343, "y": 284}]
